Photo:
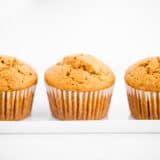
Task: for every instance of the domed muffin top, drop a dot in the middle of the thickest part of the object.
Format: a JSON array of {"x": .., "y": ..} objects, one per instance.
[
  {"x": 80, "y": 73},
  {"x": 145, "y": 74},
  {"x": 15, "y": 75}
]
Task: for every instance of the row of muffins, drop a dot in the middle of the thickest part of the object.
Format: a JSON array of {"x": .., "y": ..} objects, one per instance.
[{"x": 79, "y": 87}]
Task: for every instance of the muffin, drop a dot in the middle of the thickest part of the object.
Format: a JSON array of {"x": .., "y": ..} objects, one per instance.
[
  {"x": 143, "y": 88},
  {"x": 17, "y": 87},
  {"x": 79, "y": 88}
]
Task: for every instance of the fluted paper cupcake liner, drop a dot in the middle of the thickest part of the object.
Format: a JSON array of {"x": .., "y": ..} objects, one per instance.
[
  {"x": 73, "y": 105},
  {"x": 16, "y": 105},
  {"x": 143, "y": 104}
]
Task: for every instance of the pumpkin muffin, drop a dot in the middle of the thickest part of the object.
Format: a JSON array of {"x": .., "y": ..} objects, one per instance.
[
  {"x": 79, "y": 88},
  {"x": 143, "y": 88},
  {"x": 17, "y": 87}
]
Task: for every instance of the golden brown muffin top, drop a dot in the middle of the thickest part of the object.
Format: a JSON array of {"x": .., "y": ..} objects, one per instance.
[
  {"x": 15, "y": 75},
  {"x": 145, "y": 74},
  {"x": 80, "y": 73}
]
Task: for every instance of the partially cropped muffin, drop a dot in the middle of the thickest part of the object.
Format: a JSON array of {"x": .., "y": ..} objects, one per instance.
[
  {"x": 79, "y": 88},
  {"x": 143, "y": 88},
  {"x": 17, "y": 87}
]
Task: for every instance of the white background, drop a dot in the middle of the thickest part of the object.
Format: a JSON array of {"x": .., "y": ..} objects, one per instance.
[{"x": 41, "y": 32}]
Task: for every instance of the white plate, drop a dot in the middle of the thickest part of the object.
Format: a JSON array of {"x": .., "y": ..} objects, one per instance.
[
  {"x": 79, "y": 127},
  {"x": 41, "y": 121}
]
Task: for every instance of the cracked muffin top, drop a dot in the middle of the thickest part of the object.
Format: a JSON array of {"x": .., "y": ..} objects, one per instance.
[
  {"x": 80, "y": 73},
  {"x": 145, "y": 74},
  {"x": 15, "y": 75}
]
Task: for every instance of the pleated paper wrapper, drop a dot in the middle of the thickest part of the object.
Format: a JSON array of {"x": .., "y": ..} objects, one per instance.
[
  {"x": 143, "y": 104},
  {"x": 74, "y": 105},
  {"x": 16, "y": 105}
]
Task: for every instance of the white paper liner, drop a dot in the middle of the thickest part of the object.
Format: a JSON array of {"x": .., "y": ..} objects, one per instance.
[
  {"x": 16, "y": 105},
  {"x": 73, "y": 105},
  {"x": 143, "y": 104}
]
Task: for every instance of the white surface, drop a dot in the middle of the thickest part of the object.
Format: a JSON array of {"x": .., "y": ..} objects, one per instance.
[
  {"x": 71, "y": 147},
  {"x": 42, "y": 31}
]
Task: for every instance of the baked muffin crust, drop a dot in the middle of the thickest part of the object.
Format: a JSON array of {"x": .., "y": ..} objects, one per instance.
[
  {"x": 144, "y": 75},
  {"x": 15, "y": 75},
  {"x": 80, "y": 73}
]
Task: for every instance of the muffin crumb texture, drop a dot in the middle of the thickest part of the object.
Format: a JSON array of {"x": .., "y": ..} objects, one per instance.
[
  {"x": 15, "y": 75},
  {"x": 145, "y": 74},
  {"x": 80, "y": 73}
]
